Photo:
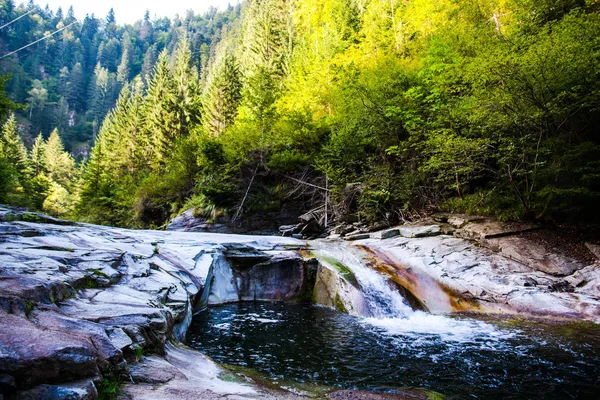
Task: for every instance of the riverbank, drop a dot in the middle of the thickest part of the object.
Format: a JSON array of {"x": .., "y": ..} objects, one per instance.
[{"x": 85, "y": 307}]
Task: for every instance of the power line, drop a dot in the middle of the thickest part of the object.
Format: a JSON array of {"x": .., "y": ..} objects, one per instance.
[
  {"x": 39, "y": 40},
  {"x": 18, "y": 18}
]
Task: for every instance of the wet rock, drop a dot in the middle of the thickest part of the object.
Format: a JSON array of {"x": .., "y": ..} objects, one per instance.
[
  {"x": 82, "y": 390},
  {"x": 451, "y": 275},
  {"x": 420, "y": 231},
  {"x": 335, "y": 289}
]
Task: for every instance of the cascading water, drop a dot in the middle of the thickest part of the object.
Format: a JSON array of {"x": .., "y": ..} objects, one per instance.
[
  {"x": 384, "y": 301},
  {"x": 389, "y": 310},
  {"x": 392, "y": 346}
]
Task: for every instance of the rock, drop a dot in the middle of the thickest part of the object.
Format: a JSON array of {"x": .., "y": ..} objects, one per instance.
[
  {"x": 594, "y": 248},
  {"x": 491, "y": 229},
  {"x": 447, "y": 229},
  {"x": 533, "y": 255},
  {"x": 75, "y": 299},
  {"x": 333, "y": 289},
  {"x": 441, "y": 217},
  {"x": 189, "y": 375},
  {"x": 154, "y": 369},
  {"x": 400, "y": 394},
  {"x": 82, "y": 390},
  {"x": 460, "y": 220},
  {"x": 289, "y": 230},
  {"x": 452, "y": 275},
  {"x": 34, "y": 356},
  {"x": 284, "y": 276},
  {"x": 357, "y": 236},
  {"x": 386, "y": 234},
  {"x": 420, "y": 231},
  {"x": 187, "y": 222}
]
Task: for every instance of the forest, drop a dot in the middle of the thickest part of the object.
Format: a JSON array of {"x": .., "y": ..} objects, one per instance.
[{"x": 382, "y": 110}]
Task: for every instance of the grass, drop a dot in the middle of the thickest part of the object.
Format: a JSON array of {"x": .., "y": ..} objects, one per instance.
[
  {"x": 109, "y": 388},
  {"x": 29, "y": 306}
]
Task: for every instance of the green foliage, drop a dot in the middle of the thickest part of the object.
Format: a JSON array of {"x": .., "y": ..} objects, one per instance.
[
  {"x": 483, "y": 107},
  {"x": 108, "y": 389}
]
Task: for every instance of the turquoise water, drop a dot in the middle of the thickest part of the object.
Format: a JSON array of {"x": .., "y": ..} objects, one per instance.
[{"x": 461, "y": 358}]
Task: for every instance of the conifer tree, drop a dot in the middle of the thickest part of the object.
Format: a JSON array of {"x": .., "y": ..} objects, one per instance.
[
  {"x": 60, "y": 165},
  {"x": 222, "y": 96},
  {"x": 161, "y": 119},
  {"x": 38, "y": 156},
  {"x": 187, "y": 86},
  {"x": 13, "y": 149}
]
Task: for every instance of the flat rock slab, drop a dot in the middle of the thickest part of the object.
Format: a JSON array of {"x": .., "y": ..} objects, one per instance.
[
  {"x": 386, "y": 234},
  {"x": 420, "y": 231},
  {"x": 491, "y": 228},
  {"x": 358, "y": 236},
  {"x": 534, "y": 255}
]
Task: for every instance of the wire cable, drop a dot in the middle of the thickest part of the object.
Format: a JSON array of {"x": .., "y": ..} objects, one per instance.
[
  {"x": 37, "y": 41},
  {"x": 18, "y": 18}
]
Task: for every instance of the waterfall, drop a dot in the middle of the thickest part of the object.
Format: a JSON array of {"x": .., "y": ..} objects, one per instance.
[
  {"x": 390, "y": 312},
  {"x": 383, "y": 299}
]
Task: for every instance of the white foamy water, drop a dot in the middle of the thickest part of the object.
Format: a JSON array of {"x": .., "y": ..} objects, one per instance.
[
  {"x": 446, "y": 329},
  {"x": 392, "y": 315},
  {"x": 384, "y": 302}
]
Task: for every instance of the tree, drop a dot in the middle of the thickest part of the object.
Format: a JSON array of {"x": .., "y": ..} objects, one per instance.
[
  {"x": 161, "y": 119},
  {"x": 6, "y": 105},
  {"x": 59, "y": 164},
  {"x": 38, "y": 96},
  {"x": 13, "y": 149},
  {"x": 222, "y": 96}
]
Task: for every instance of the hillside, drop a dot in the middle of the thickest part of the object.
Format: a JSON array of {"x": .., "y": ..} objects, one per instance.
[{"x": 372, "y": 109}]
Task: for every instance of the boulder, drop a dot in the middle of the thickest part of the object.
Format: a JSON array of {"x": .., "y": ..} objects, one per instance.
[
  {"x": 357, "y": 236},
  {"x": 82, "y": 390},
  {"x": 289, "y": 230},
  {"x": 386, "y": 234},
  {"x": 420, "y": 231}
]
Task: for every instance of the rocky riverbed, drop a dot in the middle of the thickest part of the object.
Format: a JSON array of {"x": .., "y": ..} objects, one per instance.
[{"x": 84, "y": 307}]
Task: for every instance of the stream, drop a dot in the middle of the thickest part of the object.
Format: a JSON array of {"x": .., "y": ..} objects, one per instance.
[{"x": 394, "y": 347}]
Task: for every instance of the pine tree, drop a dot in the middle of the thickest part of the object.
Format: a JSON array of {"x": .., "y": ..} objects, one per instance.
[
  {"x": 13, "y": 149},
  {"x": 160, "y": 110},
  {"x": 38, "y": 156},
  {"x": 187, "y": 86},
  {"x": 60, "y": 165},
  {"x": 222, "y": 96}
]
